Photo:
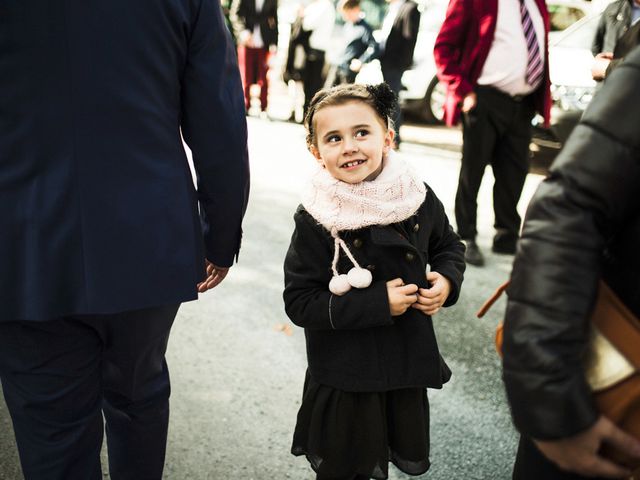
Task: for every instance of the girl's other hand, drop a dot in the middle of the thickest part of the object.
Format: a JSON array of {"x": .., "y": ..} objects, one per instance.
[
  {"x": 430, "y": 300},
  {"x": 401, "y": 296}
]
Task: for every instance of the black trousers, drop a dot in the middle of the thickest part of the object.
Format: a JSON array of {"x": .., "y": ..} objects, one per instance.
[
  {"x": 532, "y": 465},
  {"x": 312, "y": 77},
  {"x": 59, "y": 377},
  {"x": 497, "y": 133}
]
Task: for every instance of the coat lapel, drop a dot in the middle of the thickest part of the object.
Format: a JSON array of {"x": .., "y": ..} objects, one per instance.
[{"x": 388, "y": 236}]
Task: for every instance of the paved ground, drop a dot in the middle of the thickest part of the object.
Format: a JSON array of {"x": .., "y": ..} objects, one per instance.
[{"x": 237, "y": 377}]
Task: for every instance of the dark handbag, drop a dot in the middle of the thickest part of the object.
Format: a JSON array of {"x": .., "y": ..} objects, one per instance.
[{"x": 611, "y": 364}]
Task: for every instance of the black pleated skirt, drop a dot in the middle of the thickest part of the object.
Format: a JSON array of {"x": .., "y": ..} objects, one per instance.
[{"x": 344, "y": 434}]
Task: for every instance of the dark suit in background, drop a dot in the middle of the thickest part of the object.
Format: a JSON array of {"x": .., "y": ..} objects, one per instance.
[
  {"x": 101, "y": 236},
  {"x": 256, "y": 31},
  {"x": 614, "y": 22},
  {"x": 396, "y": 51}
]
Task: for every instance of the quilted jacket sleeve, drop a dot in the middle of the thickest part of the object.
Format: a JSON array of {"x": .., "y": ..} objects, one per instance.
[{"x": 589, "y": 195}]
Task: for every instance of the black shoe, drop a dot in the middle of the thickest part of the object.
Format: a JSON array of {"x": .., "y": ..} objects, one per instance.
[
  {"x": 504, "y": 243},
  {"x": 473, "y": 255}
]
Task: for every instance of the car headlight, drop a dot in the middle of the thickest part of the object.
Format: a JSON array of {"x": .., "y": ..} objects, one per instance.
[{"x": 571, "y": 98}]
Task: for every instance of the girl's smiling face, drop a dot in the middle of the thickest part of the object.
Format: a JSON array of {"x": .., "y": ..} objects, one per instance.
[{"x": 351, "y": 141}]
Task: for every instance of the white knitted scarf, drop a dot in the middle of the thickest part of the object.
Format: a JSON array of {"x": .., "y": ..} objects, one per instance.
[{"x": 393, "y": 196}]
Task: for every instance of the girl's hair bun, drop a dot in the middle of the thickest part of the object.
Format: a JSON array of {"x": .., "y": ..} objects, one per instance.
[{"x": 384, "y": 99}]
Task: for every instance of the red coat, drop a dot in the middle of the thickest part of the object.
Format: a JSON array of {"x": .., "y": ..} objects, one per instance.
[{"x": 462, "y": 47}]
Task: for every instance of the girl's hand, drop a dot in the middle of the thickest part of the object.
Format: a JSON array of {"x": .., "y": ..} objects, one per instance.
[
  {"x": 401, "y": 296},
  {"x": 430, "y": 300}
]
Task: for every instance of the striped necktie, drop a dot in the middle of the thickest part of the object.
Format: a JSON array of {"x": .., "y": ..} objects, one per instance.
[{"x": 535, "y": 67}]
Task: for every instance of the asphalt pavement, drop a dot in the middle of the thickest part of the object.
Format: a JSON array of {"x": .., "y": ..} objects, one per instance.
[{"x": 237, "y": 363}]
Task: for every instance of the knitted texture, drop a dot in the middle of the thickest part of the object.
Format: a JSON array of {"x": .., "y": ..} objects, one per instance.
[{"x": 393, "y": 196}]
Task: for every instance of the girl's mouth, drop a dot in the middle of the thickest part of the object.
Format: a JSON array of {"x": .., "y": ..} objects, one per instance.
[{"x": 353, "y": 164}]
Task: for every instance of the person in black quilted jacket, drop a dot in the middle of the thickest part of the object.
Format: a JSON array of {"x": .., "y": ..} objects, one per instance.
[{"x": 582, "y": 225}]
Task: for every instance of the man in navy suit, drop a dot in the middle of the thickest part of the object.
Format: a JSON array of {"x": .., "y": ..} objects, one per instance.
[{"x": 103, "y": 234}]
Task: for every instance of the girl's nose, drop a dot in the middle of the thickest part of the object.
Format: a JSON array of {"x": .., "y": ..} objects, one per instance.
[{"x": 350, "y": 145}]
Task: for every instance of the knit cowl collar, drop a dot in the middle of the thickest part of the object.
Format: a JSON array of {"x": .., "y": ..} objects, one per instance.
[{"x": 392, "y": 197}]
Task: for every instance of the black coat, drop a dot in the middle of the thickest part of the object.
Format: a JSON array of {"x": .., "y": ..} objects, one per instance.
[
  {"x": 614, "y": 22},
  {"x": 98, "y": 212},
  {"x": 353, "y": 342},
  {"x": 583, "y": 224},
  {"x": 243, "y": 16},
  {"x": 399, "y": 46}
]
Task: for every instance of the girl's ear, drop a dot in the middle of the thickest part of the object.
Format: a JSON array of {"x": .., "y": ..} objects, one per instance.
[
  {"x": 316, "y": 153},
  {"x": 388, "y": 141}
]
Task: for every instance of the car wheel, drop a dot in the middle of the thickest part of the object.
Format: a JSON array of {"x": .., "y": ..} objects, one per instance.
[{"x": 434, "y": 101}]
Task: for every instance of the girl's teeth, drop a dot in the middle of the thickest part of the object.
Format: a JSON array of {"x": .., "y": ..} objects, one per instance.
[{"x": 351, "y": 164}]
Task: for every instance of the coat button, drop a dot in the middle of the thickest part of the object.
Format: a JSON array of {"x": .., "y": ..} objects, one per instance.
[
  {"x": 357, "y": 242},
  {"x": 416, "y": 227},
  {"x": 409, "y": 257},
  {"x": 371, "y": 268}
]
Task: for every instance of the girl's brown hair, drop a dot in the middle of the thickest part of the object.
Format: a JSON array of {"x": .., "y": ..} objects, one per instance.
[{"x": 379, "y": 97}]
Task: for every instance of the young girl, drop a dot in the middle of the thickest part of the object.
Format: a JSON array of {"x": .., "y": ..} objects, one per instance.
[{"x": 357, "y": 280}]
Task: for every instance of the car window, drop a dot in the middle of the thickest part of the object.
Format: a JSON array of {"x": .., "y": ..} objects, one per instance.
[
  {"x": 581, "y": 36},
  {"x": 563, "y": 16}
]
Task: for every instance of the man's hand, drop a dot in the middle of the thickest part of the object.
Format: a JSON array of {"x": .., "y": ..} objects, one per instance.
[
  {"x": 600, "y": 64},
  {"x": 401, "y": 296},
  {"x": 469, "y": 102},
  {"x": 215, "y": 275},
  {"x": 246, "y": 38},
  {"x": 430, "y": 300},
  {"x": 579, "y": 453}
]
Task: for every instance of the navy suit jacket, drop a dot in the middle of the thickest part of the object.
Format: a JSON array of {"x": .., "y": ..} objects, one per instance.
[{"x": 98, "y": 211}]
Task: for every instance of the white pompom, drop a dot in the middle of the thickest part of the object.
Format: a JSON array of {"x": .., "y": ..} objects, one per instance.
[
  {"x": 359, "y": 277},
  {"x": 339, "y": 285}
]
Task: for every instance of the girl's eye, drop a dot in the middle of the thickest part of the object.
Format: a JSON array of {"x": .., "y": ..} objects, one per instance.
[
  {"x": 333, "y": 139},
  {"x": 362, "y": 133}
]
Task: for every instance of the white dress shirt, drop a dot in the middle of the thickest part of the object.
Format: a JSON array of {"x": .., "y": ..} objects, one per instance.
[{"x": 506, "y": 64}]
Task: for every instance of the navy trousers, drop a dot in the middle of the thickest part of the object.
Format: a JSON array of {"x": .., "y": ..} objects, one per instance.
[{"x": 59, "y": 377}]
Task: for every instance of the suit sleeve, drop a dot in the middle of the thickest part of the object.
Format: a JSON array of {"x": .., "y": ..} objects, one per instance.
[
  {"x": 214, "y": 127},
  {"x": 598, "y": 38},
  {"x": 446, "y": 251},
  {"x": 307, "y": 272},
  {"x": 411, "y": 27},
  {"x": 587, "y": 199},
  {"x": 236, "y": 17},
  {"x": 372, "y": 50},
  {"x": 448, "y": 46}
]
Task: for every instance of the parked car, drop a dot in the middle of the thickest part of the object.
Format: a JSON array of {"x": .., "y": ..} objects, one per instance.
[{"x": 423, "y": 95}]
